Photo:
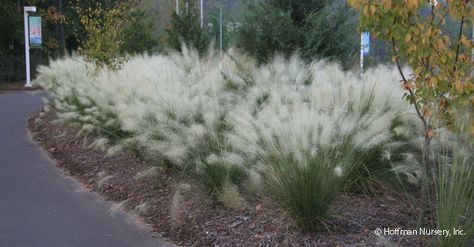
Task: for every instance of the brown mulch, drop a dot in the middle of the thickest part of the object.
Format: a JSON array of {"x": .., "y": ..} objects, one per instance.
[{"x": 195, "y": 220}]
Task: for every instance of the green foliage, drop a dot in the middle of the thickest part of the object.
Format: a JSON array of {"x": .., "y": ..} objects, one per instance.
[
  {"x": 441, "y": 89},
  {"x": 317, "y": 29},
  {"x": 455, "y": 190},
  {"x": 441, "y": 86},
  {"x": 267, "y": 30},
  {"x": 10, "y": 25},
  {"x": 330, "y": 34},
  {"x": 140, "y": 34},
  {"x": 186, "y": 29},
  {"x": 10, "y": 37},
  {"x": 298, "y": 10},
  {"x": 213, "y": 177},
  {"x": 305, "y": 191}
]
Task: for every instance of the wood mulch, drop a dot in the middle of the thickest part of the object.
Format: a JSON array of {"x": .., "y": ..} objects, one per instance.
[{"x": 189, "y": 218}]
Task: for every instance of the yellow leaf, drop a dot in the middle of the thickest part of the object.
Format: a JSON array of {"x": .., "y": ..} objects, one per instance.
[
  {"x": 366, "y": 10},
  {"x": 412, "y": 4},
  {"x": 440, "y": 45},
  {"x": 458, "y": 86},
  {"x": 372, "y": 9},
  {"x": 432, "y": 82},
  {"x": 418, "y": 70},
  {"x": 464, "y": 41},
  {"x": 407, "y": 38}
]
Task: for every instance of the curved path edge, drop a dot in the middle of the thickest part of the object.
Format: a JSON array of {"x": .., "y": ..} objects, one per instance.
[{"x": 42, "y": 207}]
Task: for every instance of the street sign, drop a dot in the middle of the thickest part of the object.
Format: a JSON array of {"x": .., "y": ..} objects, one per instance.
[
  {"x": 366, "y": 42},
  {"x": 35, "y": 31}
]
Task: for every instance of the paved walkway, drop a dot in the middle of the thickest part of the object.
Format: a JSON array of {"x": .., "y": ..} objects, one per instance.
[{"x": 39, "y": 206}]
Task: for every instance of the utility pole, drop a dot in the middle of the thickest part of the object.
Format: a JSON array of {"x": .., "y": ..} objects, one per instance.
[
  {"x": 177, "y": 7},
  {"x": 220, "y": 31},
  {"x": 27, "y": 9},
  {"x": 202, "y": 13},
  {"x": 362, "y": 53}
]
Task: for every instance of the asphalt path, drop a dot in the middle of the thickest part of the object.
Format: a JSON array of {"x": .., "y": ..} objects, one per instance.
[{"x": 40, "y": 206}]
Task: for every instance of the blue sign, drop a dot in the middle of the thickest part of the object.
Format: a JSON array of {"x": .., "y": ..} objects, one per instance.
[
  {"x": 35, "y": 31},
  {"x": 366, "y": 42}
]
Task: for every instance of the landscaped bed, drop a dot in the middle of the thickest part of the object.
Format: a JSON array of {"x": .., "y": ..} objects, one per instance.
[
  {"x": 220, "y": 150},
  {"x": 191, "y": 218}
]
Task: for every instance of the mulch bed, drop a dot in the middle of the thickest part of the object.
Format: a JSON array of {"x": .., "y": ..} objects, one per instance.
[{"x": 191, "y": 219}]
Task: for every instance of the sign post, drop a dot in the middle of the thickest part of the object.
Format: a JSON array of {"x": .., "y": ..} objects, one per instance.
[{"x": 27, "y": 9}]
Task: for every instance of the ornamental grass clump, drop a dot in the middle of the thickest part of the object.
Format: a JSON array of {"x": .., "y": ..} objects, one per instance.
[
  {"x": 454, "y": 190},
  {"x": 298, "y": 132},
  {"x": 80, "y": 98},
  {"x": 170, "y": 109},
  {"x": 311, "y": 131}
]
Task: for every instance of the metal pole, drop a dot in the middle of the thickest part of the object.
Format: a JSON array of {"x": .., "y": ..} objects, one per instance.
[
  {"x": 177, "y": 7},
  {"x": 27, "y": 9},
  {"x": 202, "y": 13},
  {"x": 220, "y": 31},
  {"x": 27, "y": 49},
  {"x": 362, "y": 53}
]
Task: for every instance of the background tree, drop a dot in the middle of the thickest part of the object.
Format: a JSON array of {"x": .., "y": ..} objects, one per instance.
[
  {"x": 441, "y": 85},
  {"x": 331, "y": 34},
  {"x": 10, "y": 42},
  {"x": 104, "y": 32},
  {"x": 267, "y": 30},
  {"x": 141, "y": 34},
  {"x": 315, "y": 28},
  {"x": 186, "y": 29}
]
